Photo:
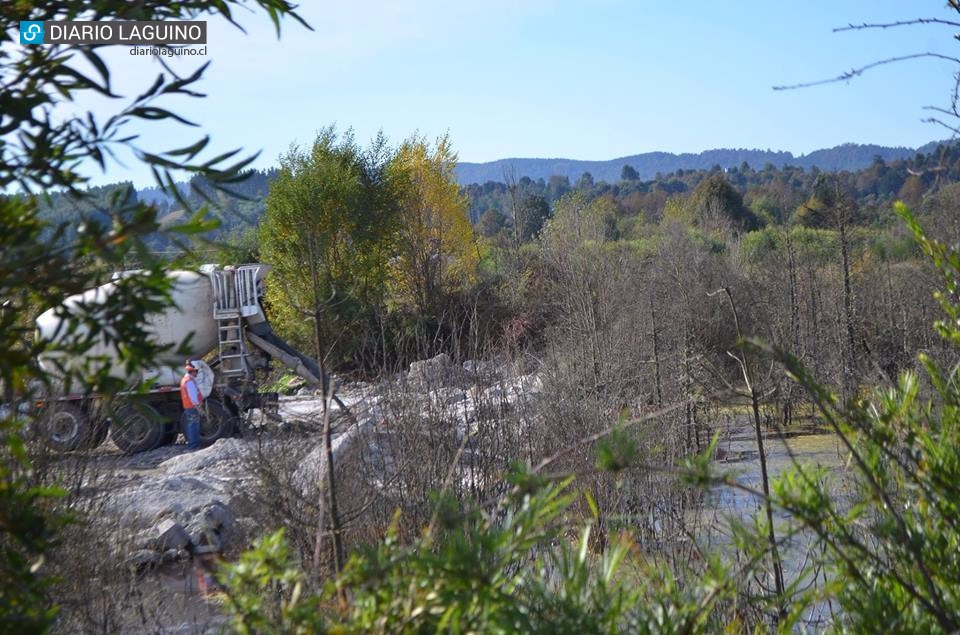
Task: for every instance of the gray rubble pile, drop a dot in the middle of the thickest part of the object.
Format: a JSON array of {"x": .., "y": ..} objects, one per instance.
[
  {"x": 176, "y": 503},
  {"x": 183, "y": 504}
]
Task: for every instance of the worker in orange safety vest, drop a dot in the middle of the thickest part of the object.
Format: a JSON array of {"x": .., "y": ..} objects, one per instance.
[{"x": 191, "y": 399}]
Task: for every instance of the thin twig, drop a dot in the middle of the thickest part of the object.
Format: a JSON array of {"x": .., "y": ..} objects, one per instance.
[
  {"x": 609, "y": 430},
  {"x": 889, "y": 25},
  {"x": 856, "y": 72}
]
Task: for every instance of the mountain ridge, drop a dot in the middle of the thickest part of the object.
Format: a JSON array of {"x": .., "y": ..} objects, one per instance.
[{"x": 846, "y": 156}]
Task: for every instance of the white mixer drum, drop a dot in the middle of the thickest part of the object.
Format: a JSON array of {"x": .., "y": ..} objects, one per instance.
[
  {"x": 192, "y": 312},
  {"x": 190, "y": 316}
]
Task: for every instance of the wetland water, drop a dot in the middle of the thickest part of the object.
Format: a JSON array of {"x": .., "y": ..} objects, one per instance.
[
  {"x": 806, "y": 444},
  {"x": 737, "y": 449}
]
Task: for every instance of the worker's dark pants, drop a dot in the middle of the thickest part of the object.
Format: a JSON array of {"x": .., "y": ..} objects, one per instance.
[{"x": 191, "y": 427}]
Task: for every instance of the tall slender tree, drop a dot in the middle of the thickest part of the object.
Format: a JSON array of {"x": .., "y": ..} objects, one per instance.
[
  {"x": 327, "y": 232},
  {"x": 437, "y": 249}
]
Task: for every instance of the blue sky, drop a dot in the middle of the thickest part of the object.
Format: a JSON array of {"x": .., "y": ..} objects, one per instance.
[{"x": 550, "y": 78}]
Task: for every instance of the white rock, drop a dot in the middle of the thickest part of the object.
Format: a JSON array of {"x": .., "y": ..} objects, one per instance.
[
  {"x": 528, "y": 384},
  {"x": 312, "y": 468},
  {"x": 144, "y": 558},
  {"x": 167, "y": 535},
  {"x": 448, "y": 396},
  {"x": 433, "y": 372},
  {"x": 494, "y": 395},
  {"x": 481, "y": 369},
  {"x": 229, "y": 449}
]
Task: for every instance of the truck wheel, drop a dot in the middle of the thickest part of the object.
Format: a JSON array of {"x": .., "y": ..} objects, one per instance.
[
  {"x": 170, "y": 436},
  {"x": 99, "y": 428},
  {"x": 217, "y": 423},
  {"x": 64, "y": 427},
  {"x": 136, "y": 428}
]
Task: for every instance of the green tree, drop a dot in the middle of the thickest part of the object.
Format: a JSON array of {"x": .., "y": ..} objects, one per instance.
[
  {"x": 585, "y": 182},
  {"x": 829, "y": 206},
  {"x": 715, "y": 203},
  {"x": 491, "y": 222},
  {"x": 557, "y": 186},
  {"x": 534, "y": 212},
  {"x": 676, "y": 210},
  {"x": 327, "y": 231},
  {"x": 629, "y": 173}
]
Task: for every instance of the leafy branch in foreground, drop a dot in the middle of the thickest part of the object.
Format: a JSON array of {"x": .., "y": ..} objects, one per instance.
[
  {"x": 515, "y": 568},
  {"x": 44, "y": 146},
  {"x": 890, "y": 545}
]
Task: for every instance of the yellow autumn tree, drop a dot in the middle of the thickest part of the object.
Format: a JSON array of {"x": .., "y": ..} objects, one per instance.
[{"x": 437, "y": 252}]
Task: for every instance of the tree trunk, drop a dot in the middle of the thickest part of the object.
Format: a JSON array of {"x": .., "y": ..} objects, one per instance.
[
  {"x": 329, "y": 492},
  {"x": 789, "y": 397},
  {"x": 762, "y": 456},
  {"x": 849, "y": 381},
  {"x": 656, "y": 354}
]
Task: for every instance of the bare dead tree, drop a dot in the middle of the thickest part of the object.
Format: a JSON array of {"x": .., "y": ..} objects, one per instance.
[
  {"x": 754, "y": 394},
  {"x": 510, "y": 178},
  {"x": 330, "y": 494}
]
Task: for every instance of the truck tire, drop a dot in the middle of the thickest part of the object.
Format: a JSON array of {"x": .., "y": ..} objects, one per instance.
[
  {"x": 100, "y": 428},
  {"x": 65, "y": 427},
  {"x": 136, "y": 428},
  {"x": 216, "y": 423},
  {"x": 170, "y": 436}
]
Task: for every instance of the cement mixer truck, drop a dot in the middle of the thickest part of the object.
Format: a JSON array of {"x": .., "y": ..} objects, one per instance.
[{"x": 221, "y": 310}]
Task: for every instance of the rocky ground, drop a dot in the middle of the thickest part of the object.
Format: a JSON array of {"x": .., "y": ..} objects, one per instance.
[
  {"x": 169, "y": 510},
  {"x": 167, "y": 513},
  {"x": 171, "y": 503}
]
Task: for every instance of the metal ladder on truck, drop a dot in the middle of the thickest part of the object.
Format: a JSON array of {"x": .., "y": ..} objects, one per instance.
[{"x": 235, "y": 297}]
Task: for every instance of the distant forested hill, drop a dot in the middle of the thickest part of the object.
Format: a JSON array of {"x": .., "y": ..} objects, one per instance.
[
  {"x": 849, "y": 156},
  {"x": 774, "y": 182}
]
